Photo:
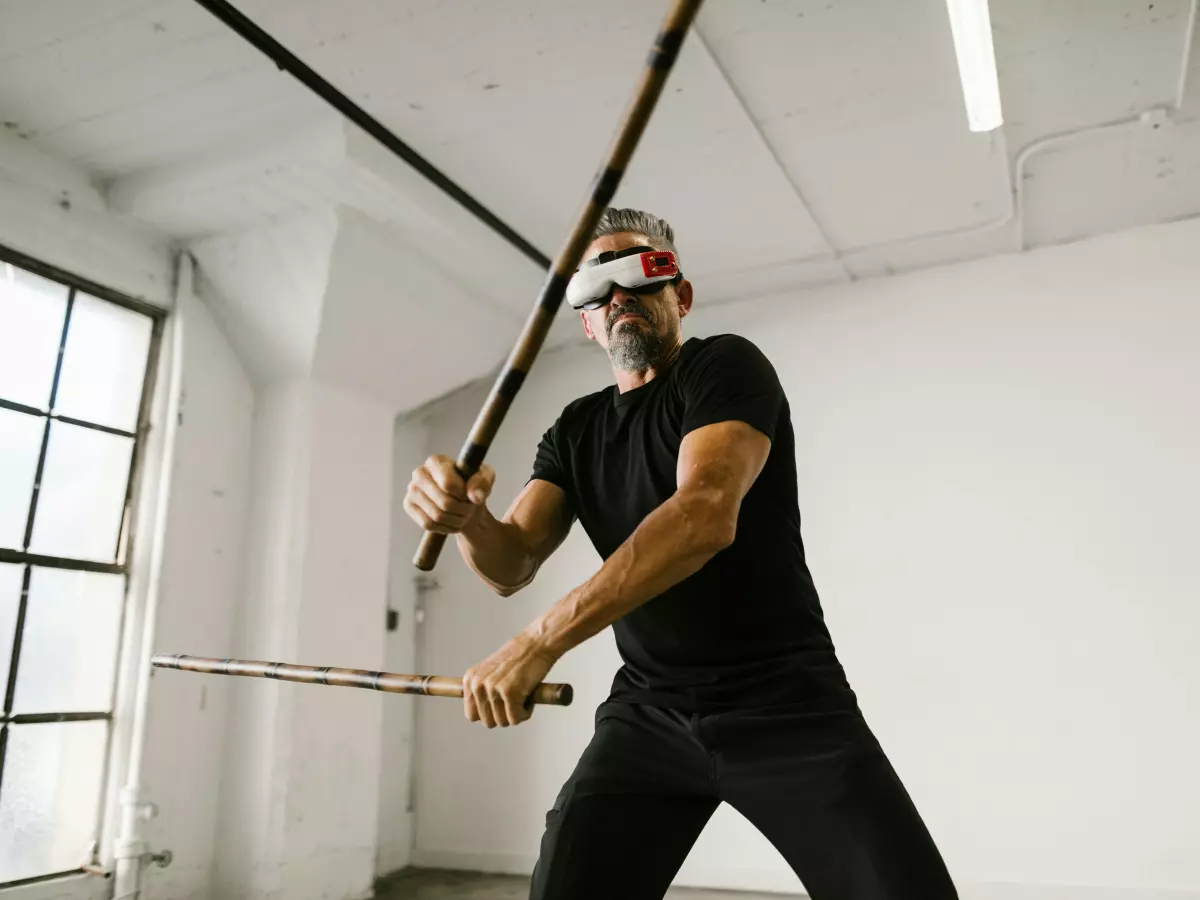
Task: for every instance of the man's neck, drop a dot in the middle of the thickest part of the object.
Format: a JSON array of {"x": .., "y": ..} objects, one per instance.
[{"x": 628, "y": 381}]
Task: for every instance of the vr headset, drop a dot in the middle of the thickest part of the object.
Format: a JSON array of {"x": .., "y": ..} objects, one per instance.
[{"x": 639, "y": 270}]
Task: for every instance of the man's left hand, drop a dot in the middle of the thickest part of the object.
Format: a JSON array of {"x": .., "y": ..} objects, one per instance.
[{"x": 495, "y": 691}]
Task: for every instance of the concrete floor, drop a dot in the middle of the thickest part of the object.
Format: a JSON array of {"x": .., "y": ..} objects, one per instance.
[{"x": 433, "y": 884}]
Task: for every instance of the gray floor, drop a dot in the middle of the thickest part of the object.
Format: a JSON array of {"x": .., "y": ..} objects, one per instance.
[{"x": 432, "y": 884}]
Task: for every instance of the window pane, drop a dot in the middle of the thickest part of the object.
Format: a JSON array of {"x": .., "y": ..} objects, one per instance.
[
  {"x": 82, "y": 498},
  {"x": 51, "y": 796},
  {"x": 31, "y": 321},
  {"x": 103, "y": 364},
  {"x": 10, "y": 599},
  {"x": 69, "y": 642},
  {"x": 20, "y": 444}
]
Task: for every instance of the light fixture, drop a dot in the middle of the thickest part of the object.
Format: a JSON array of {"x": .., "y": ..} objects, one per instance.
[{"x": 972, "y": 28}]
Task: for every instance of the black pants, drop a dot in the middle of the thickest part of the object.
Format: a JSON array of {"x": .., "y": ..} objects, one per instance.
[{"x": 817, "y": 785}]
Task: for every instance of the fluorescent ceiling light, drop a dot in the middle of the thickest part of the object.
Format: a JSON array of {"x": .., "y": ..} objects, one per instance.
[{"x": 972, "y": 27}]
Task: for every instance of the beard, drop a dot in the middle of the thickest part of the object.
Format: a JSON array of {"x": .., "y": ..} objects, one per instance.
[{"x": 631, "y": 347}]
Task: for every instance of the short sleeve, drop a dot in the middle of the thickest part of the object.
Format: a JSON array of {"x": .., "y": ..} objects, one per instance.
[
  {"x": 731, "y": 379},
  {"x": 548, "y": 465}
]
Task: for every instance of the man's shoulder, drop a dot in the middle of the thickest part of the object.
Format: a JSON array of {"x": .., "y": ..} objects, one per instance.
[{"x": 726, "y": 346}]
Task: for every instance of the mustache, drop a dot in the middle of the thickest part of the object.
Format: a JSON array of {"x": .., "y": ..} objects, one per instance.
[{"x": 632, "y": 309}]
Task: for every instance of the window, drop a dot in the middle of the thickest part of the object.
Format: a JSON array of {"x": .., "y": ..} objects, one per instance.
[{"x": 76, "y": 363}]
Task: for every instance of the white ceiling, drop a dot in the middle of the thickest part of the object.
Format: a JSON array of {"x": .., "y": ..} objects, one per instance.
[{"x": 798, "y": 141}]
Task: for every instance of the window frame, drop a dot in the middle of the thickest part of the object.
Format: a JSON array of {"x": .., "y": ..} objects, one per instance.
[{"x": 123, "y": 552}]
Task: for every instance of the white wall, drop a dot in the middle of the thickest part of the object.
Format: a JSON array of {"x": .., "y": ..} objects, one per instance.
[
  {"x": 396, "y": 801},
  {"x": 50, "y": 210},
  {"x": 248, "y": 783},
  {"x": 267, "y": 286},
  {"x": 336, "y": 744},
  {"x": 998, "y": 485}
]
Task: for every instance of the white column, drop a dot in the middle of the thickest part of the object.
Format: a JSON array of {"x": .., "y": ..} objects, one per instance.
[{"x": 302, "y": 763}]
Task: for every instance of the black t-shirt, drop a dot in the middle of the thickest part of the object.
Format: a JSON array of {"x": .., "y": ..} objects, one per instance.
[{"x": 746, "y": 629}]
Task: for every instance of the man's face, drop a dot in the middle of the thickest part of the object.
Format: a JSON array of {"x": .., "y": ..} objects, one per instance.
[{"x": 635, "y": 329}]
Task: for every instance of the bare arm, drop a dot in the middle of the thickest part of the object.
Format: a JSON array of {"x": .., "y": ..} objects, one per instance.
[
  {"x": 506, "y": 553},
  {"x": 717, "y": 466}
]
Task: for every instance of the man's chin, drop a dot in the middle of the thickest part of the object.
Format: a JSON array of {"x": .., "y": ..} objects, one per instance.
[
  {"x": 629, "y": 326},
  {"x": 630, "y": 345}
]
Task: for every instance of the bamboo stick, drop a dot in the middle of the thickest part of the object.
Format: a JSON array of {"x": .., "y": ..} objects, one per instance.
[
  {"x": 428, "y": 685},
  {"x": 654, "y": 75}
]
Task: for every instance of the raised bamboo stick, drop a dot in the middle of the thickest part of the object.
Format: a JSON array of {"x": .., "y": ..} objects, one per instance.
[
  {"x": 389, "y": 682},
  {"x": 654, "y": 75}
]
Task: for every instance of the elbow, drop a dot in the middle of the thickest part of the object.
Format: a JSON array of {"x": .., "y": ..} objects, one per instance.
[
  {"x": 714, "y": 521},
  {"x": 507, "y": 590},
  {"x": 504, "y": 590},
  {"x": 722, "y": 532}
]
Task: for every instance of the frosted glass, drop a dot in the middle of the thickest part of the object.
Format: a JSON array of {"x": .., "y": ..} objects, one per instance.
[
  {"x": 82, "y": 498},
  {"x": 51, "y": 797},
  {"x": 20, "y": 444},
  {"x": 10, "y": 599},
  {"x": 69, "y": 642},
  {"x": 31, "y": 321},
  {"x": 104, "y": 364}
]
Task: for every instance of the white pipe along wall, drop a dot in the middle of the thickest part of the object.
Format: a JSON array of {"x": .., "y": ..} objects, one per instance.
[
  {"x": 131, "y": 851},
  {"x": 998, "y": 485},
  {"x": 206, "y": 547}
]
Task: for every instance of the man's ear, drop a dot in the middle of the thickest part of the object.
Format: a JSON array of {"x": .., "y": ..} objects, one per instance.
[
  {"x": 684, "y": 292},
  {"x": 587, "y": 326}
]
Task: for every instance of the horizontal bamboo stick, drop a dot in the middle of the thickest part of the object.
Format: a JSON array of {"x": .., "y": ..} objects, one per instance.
[{"x": 428, "y": 685}]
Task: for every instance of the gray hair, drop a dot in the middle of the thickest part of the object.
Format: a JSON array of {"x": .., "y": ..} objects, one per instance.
[{"x": 635, "y": 221}]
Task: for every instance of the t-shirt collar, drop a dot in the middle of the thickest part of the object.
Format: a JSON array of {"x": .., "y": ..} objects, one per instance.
[{"x": 637, "y": 394}]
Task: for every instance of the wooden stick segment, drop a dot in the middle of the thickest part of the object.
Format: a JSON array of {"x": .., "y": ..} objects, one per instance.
[
  {"x": 547, "y": 693},
  {"x": 658, "y": 66}
]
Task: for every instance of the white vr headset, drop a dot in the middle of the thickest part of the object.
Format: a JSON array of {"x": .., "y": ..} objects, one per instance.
[{"x": 639, "y": 270}]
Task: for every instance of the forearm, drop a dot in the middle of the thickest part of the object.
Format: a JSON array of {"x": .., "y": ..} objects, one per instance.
[
  {"x": 495, "y": 551},
  {"x": 672, "y": 543}
]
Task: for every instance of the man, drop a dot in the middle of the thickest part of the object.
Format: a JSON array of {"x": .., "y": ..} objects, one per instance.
[{"x": 683, "y": 474}]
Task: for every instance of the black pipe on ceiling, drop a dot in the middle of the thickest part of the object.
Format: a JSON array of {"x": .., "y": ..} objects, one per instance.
[{"x": 289, "y": 62}]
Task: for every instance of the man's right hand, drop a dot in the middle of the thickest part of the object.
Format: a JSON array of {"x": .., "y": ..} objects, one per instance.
[{"x": 438, "y": 499}]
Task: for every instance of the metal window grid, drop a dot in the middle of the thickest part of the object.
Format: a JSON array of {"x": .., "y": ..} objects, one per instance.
[{"x": 124, "y": 545}]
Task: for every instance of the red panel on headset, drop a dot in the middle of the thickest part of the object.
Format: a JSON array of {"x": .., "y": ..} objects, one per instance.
[{"x": 659, "y": 262}]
